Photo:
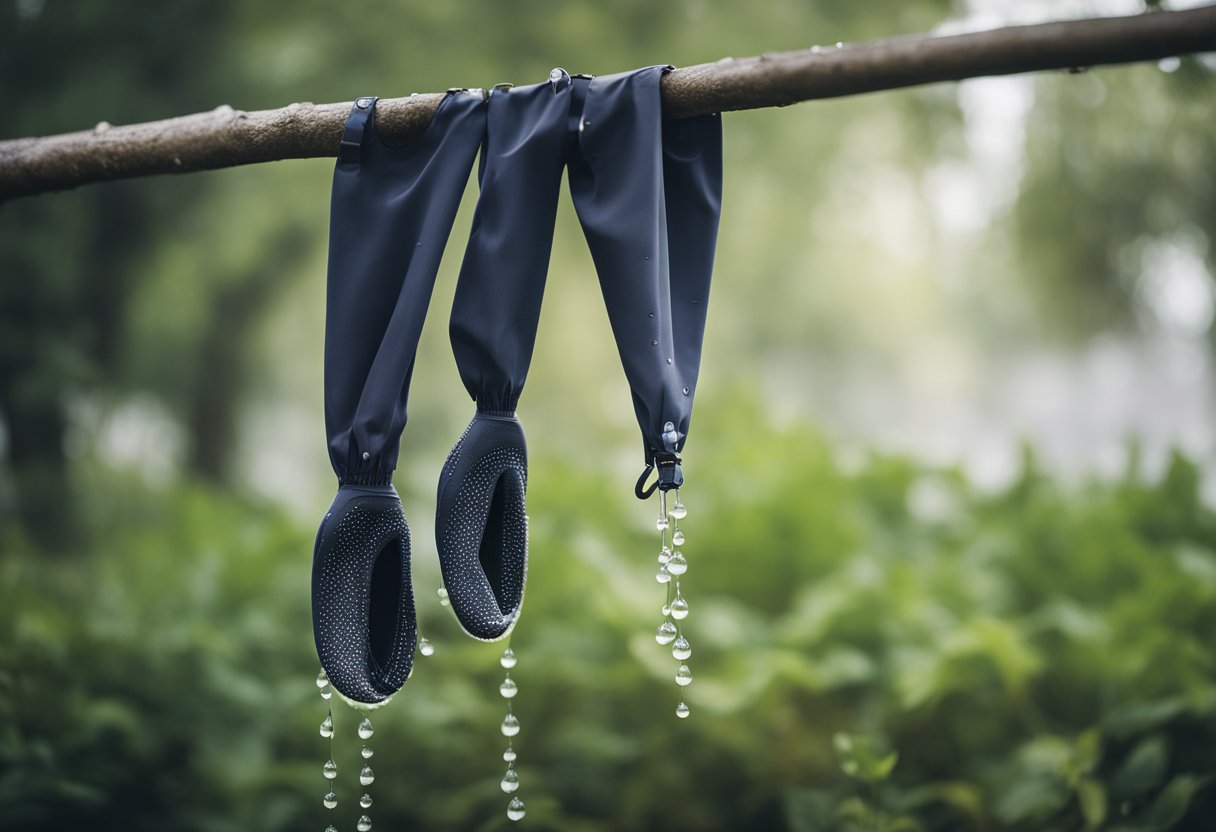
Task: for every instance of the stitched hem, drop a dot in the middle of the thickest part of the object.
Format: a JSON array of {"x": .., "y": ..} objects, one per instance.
[{"x": 369, "y": 478}]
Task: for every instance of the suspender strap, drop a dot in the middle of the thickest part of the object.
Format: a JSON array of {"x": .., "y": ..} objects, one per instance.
[{"x": 361, "y": 115}]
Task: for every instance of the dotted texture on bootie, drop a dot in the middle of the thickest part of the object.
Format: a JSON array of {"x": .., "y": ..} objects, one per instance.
[
  {"x": 348, "y": 545},
  {"x": 482, "y": 529}
]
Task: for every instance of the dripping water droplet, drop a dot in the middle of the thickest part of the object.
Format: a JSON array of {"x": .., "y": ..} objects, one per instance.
[
  {"x": 425, "y": 647},
  {"x": 666, "y": 633},
  {"x": 661, "y": 524},
  {"x": 443, "y": 597},
  {"x": 508, "y": 688},
  {"x": 664, "y": 555},
  {"x": 326, "y": 693},
  {"x": 510, "y": 781},
  {"x": 683, "y": 676},
  {"x": 364, "y": 824},
  {"x": 367, "y": 776},
  {"x": 322, "y": 679},
  {"x": 679, "y": 511},
  {"x": 508, "y": 659},
  {"x": 663, "y": 576},
  {"x": 365, "y": 729},
  {"x": 330, "y": 800},
  {"x": 510, "y": 725},
  {"x": 677, "y": 538},
  {"x": 679, "y": 607},
  {"x": 682, "y": 711},
  {"x": 681, "y": 650},
  {"x": 509, "y": 755},
  {"x": 515, "y": 809},
  {"x": 327, "y": 727},
  {"x": 666, "y": 610},
  {"x": 366, "y": 801},
  {"x": 330, "y": 770},
  {"x": 367, "y": 752},
  {"x": 678, "y": 564}
]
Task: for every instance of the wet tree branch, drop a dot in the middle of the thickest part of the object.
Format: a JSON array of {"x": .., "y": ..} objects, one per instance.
[{"x": 226, "y": 137}]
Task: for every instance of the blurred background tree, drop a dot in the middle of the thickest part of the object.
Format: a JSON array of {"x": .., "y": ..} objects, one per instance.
[{"x": 953, "y": 552}]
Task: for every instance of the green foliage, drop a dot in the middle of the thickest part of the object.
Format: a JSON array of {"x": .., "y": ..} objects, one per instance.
[
  {"x": 1034, "y": 660},
  {"x": 878, "y": 645}
]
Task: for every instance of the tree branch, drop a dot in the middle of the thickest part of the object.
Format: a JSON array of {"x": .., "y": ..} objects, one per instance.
[{"x": 226, "y": 137}]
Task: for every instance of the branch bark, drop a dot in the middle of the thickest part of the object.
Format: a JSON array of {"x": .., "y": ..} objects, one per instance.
[{"x": 226, "y": 137}]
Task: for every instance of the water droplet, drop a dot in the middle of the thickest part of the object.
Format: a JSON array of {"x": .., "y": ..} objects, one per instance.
[
  {"x": 365, "y": 729},
  {"x": 678, "y": 564},
  {"x": 367, "y": 776},
  {"x": 508, "y": 659},
  {"x": 683, "y": 676},
  {"x": 425, "y": 647},
  {"x": 515, "y": 809},
  {"x": 367, "y": 752},
  {"x": 509, "y": 755},
  {"x": 840, "y": 44},
  {"x": 666, "y": 633},
  {"x": 510, "y": 781},
  {"x": 330, "y": 770},
  {"x": 327, "y": 727},
  {"x": 679, "y": 511},
  {"x": 322, "y": 679},
  {"x": 366, "y": 801},
  {"x": 666, "y": 610},
  {"x": 331, "y": 828},
  {"x": 682, "y": 711},
  {"x": 663, "y": 576},
  {"x": 330, "y": 800},
  {"x": 1170, "y": 64},
  {"x": 326, "y": 693},
  {"x": 508, "y": 688},
  {"x": 443, "y": 597},
  {"x": 681, "y": 650},
  {"x": 661, "y": 524},
  {"x": 679, "y": 607},
  {"x": 664, "y": 555},
  {"x": 677, "y": 538},
  {"x": 510, "y": 725},
  {"x": 364, "y": 824}
]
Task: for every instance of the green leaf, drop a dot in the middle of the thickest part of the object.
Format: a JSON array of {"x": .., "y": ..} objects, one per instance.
[
  {"x": 861, "y": 758},
  {"x": 1091, "y": 795},
  {"x": 1142, "y": 770},
  {"x": 1033, "y": 799},
  {"x": 1171, "y": 805}
]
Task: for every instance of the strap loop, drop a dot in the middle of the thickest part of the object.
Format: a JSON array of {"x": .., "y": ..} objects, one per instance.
[{"x": 361, "y": 114}]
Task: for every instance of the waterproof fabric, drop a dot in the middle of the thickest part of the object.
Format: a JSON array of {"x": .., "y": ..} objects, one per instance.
[
  {"x": 391, "y": 213},
  {"x": 647, "y": 194}
]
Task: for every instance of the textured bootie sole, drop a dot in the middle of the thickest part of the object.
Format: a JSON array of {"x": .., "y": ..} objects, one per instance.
[
  {"x": 481, "y": 526},
  {"x": 364, "y": 622}
]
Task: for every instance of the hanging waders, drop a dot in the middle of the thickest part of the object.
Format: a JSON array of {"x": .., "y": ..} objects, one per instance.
[
  {"x": 391, "y": 213},
  {"x": 647, "y": 193}
]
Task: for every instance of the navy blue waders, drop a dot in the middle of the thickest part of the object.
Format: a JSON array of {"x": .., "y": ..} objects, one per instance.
[
  {"x": 647, "y": 192},
  {"x": 391, "y": 213}
]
